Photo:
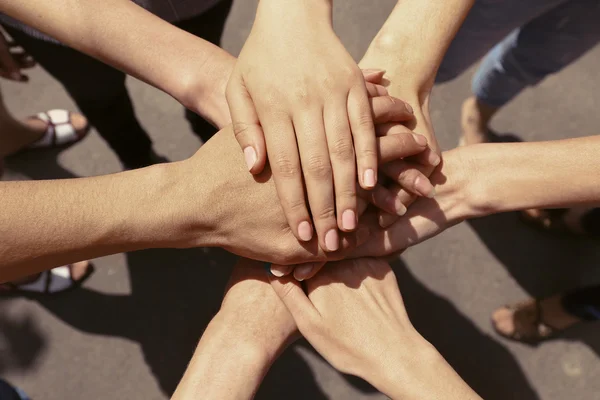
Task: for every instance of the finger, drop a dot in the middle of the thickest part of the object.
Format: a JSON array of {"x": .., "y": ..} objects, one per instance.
[
  {"x": 427, "y": 158},
  {"x": 281, "y": 270},
  {"x": 386, "y": 219},
  {"x": 391, "y": 128},
  {"x": 390, "y": 109},
  {"x": 386, "y": 200},
  {"x": 341, "y": 153},
  {"x": 291, "y": 294},
  {"x": 410, "y": 177},
  {"x": 246, "y": 125},
  {"x": 363, "y": 133},
  {"x": 394, "y": 147},
  {"x": 355, "y": 239},
  {"x": 287, "y": 174},
  {"x": 318, "y": 175},
  {"x": 307, "y": 271},
  {"x": 376, "y": 90},
  {"x": 373, "y": 75}
]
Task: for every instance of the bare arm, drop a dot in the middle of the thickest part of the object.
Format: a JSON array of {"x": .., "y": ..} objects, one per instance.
[
  {"x": 241, "y": 342},
  {"x": 126, "y": 36},
  {"x": 490, "y": 178},
  {"x": 410, "y": 47}
]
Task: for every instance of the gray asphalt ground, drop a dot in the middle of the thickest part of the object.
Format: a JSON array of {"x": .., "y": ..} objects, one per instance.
[{"x": 130, "y": 331}]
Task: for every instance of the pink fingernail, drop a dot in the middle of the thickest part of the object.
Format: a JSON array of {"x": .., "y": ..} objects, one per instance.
[
  {"x": 302, "y": 272},
  {"x": 332, "y": 240},
  {"x": 349, "y": 220},
  {"x": 250, "y": 156},
  {"x": 434, "y": 159},
  {"x": 420, "y": 139},
  {"x": 409, "y": 108},
  {"x": 424, "y": 187},
  {"x": 399, "y": 206},
  {"x": 369, "y": 178},
  {"x": 280, "y": 271},
  {"x": 305, "y": 231}
]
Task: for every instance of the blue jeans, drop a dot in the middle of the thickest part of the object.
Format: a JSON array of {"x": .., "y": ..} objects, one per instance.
[{"x": 529, "y": 40}]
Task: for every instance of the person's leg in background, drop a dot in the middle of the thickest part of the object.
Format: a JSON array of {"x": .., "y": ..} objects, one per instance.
[
  {"x": 535, "y": 320},
  {"x": 209, "y": 26},
  {"x": 100, "y": 93},
  {"x": 540, "y": 48},
  {"x": 488, "y": 22}
]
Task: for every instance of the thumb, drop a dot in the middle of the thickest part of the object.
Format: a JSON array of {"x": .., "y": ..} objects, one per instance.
[
  {"x": 298, "y": 304},
  {"x": 246, "y": 125}
]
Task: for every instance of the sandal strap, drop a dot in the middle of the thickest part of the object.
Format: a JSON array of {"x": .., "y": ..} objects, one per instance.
[{"x": 59, "y": 131}]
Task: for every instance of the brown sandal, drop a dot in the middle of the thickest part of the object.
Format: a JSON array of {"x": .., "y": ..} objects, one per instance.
[
  {"x": 564, "y": 221},
  {"x": 527, "y": 314}
]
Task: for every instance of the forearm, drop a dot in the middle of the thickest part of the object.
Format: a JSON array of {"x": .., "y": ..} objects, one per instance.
[
  {"x": 410, "y": 47},
  {"x": 126, "y": 36},
  {"x": 428, "y": 376},
  {"x": 414, "y": 40},
  {"x": 44, "y": 224},
  {"x": 224, "y": 366},
  {"x": 515, "y": 176}
]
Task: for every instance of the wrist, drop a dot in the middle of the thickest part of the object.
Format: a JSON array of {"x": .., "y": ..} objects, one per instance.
[
  {"x": 201, "y": 86},
  {"x": 185, "y": 208},
  {"x": 313, "y": 12},
  {"x": 420, "y": 372}
]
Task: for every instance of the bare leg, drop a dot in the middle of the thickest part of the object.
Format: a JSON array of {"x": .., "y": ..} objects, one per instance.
[{"x": 475, "y": 120}]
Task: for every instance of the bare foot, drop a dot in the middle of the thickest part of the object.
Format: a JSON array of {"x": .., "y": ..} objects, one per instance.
[
  {"x": 475, "y": 118},
  {"x": 532, "y": 321}
]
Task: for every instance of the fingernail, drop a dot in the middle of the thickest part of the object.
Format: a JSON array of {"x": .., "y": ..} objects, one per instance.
[
  {"x": 16, "y": 76},
  {"x": 420, "y": 139},
  {"x": 332, "y": 240},
  {"x": 386, "y": 220},
  {"x": 349, "y": 220},
  {"x": 434, "y": 159},
  {"x": 369, "y": 178},
  {"x": 362, "y": 234},
  {"x": 399, "y": 206},
  {"x": 302, "y": 272},
  {"x": 280, "y": 270},
  {"x": 424, "y": 187},
  {"x": 409, "y": 108},
  {"x": 373, "y": 70},
  {"x": 304, "y": 231},
  {"x": 250, "y": 156}
]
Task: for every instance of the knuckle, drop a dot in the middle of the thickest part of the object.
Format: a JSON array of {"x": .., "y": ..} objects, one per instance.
[
  {"x": 302, "y": 96},
  {"x": 239, "y": 129},
  {"x": 295, "y": 206},
  {"x": 364, "y": 121},
  {"x": 346, "y": 193},
  {"x": 327, "y": 213},
  {"x": 342, "y": 148},
  {"x": 318, "y": 167},
  {"x": 285, "y": 167},
  {"x": 367, "y": 154}
]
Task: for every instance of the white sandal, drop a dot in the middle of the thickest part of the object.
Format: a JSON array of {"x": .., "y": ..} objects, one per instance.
[{"x": 60, "y": 131}]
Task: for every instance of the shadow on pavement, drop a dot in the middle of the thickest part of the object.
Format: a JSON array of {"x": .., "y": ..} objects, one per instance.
[
  {"x": 175, "y": 293},
  {"x": 483, "y": 363}
]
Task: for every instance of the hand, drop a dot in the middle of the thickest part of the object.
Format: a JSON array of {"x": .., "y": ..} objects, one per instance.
[
  {"x": 456, "y": 199},
  {"x": 254, "y": 313},
  {"x": 207, "y": 97},
  {"x": 403, "y": 81},
  {"x": 296, "y": 92},
  {"x": 244, "y": 214},
  {"x": 354, "y": 316},
  {"x": 13, "y": 61},
  {"x": 241, "y": 342}
]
